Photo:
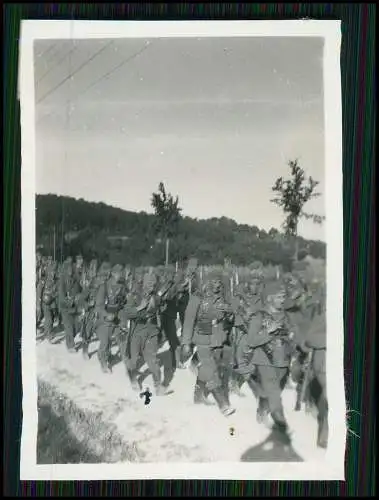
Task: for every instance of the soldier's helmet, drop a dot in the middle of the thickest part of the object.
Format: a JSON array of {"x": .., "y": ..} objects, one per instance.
[
  {"x": 79, "y": 260},
  {"x": 117, "y": 272},
  {"x": 150, "y": 283}
]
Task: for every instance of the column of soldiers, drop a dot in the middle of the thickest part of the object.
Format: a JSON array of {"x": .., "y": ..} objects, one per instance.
[{"x": 266, "y": 333}]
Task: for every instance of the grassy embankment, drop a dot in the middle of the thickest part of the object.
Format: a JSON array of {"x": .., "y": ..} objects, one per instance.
[{"x": 67, "y": 434}]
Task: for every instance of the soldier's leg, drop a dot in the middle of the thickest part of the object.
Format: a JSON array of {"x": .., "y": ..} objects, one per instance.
[
  {"x": 209, "y": 374},
  {"x": 322, "y": 409},
  {"x": 88, "y": 326},
  {"x": 104, "y": 331},
  {"x": 169, "y": 328},
  {"x": 225, "y": 366},
  {"x": 39, "y": 304},
  {"x": 246, "y": 369},
  {"x": 69, "y": 327},
  {"x": 149, "y": 353},
  {"x": 122, "y": 341},
  {"x": 135, "y": 348},
  {"x": 236, "y": 379},
  {"x": 271, "y": 379},
  {"x": 174, "y": 362},
  {"x": 48, "y": 325}
]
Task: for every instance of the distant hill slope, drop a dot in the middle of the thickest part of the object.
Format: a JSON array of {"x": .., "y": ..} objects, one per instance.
[{"x": 105, "y": 232}]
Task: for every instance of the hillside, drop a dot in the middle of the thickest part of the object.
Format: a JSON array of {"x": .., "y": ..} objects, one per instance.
[{"x": 105, "y": 232}]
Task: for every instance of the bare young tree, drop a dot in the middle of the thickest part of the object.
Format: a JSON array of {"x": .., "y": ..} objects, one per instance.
[
  {"x": 291, "y": 195},
  {"x": 167, "y": 213}
]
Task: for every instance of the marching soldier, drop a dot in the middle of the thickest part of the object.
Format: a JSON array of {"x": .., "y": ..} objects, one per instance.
[
  {"x": 168, "y": 297},
  {"x": 114, "y": 293},
  {"x": 207, "y": 325},
  {"x": 299, "y": 307},
  {"x": 267, "y": 352},
  {"x": 144, "y": 333},
  {"x": 69, "y": 296},
  {"x": 49, "y": 297},
  {"x": 79, "y": 269},
  {"x": 89, "y": 298},
  {"x": 314, "y": 348},
  {"x": 248, "y": 316},
  {"x": 39, "y": 288},
  {"x": 187, "y": 285}
]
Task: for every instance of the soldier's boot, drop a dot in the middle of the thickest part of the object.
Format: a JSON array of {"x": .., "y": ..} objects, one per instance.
[
  {"x": 105, "y": 368},
  {"x": 298, "y": 398},
  {"x": 133, "y": 377},
  {"x": 322, "y": 438},
  {"x": 104, "y": 363},
  {"x": 160, "y": 389},
  {"x": 262, "y": 411},
  {"x": 85, "y": 351},
  {"x": 280, "y": 421},
  {"x": 178, "y": 360},
  {"x": 222, "y": 403},
  {"x": 323, "y": 427},
  {"x": 200, "y": 393}
]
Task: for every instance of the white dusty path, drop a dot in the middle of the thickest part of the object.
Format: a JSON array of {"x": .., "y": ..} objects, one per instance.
[{"x": 171, "y": 428}]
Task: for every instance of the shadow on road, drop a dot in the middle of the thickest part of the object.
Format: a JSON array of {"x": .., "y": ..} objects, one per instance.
[{"x": 276, "y": 447}]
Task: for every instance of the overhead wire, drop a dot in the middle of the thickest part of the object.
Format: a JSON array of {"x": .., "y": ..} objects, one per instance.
[
  {"x": 106, "y": 75},
  {"x": 103, "y": 77},
  {"x": 57, "y": 64},
  {"x": 70, "y": 75}
]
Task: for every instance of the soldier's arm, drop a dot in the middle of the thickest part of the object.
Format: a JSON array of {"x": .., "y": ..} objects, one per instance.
[
  {"x": 189, "y": 320},
  {"x": 130, "y": 312},
  {"x": 316, "y": 336},
  {"x": 62, "y": 294}
]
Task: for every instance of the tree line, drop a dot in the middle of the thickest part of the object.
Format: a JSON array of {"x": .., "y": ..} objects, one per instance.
[{"x": 68, "y": 226}]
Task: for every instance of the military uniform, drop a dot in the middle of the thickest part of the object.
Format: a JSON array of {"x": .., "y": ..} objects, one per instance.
[
  {"x": 40, "y": 279},
  {"x": 300, "y": 308},
  {"x": 69, "y": 295},
  {"x": 114, "y": 293},
  {"x": 143, "y": 336},
  {"x": 169, "y": 309},
  {"x": 207, "y": 325},
  {"x": 49, "y": 298},
  {"x": 268, "y": 352},
  {"x": 248, "y": 316},
  {"x": 315, "y": 344},
  {"x": 91, "y": 300}
]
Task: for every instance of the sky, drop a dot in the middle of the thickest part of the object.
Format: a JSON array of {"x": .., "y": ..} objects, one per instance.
[{"x": 215, "y": 119}]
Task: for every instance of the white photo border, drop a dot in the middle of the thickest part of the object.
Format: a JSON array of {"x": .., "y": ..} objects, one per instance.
[{"x": 333, "y": 467}]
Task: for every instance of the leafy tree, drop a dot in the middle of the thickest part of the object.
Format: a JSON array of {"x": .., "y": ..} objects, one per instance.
[
  {"x": 167, "y": 213},
  {"x": 291, "y": 196}
]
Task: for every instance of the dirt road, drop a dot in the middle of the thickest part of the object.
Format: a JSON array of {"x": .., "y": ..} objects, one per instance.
[{"x": 171, "y": 428}]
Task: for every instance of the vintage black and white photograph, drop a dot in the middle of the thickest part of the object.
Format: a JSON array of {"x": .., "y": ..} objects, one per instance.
[{"x": 180, "y": 212}]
